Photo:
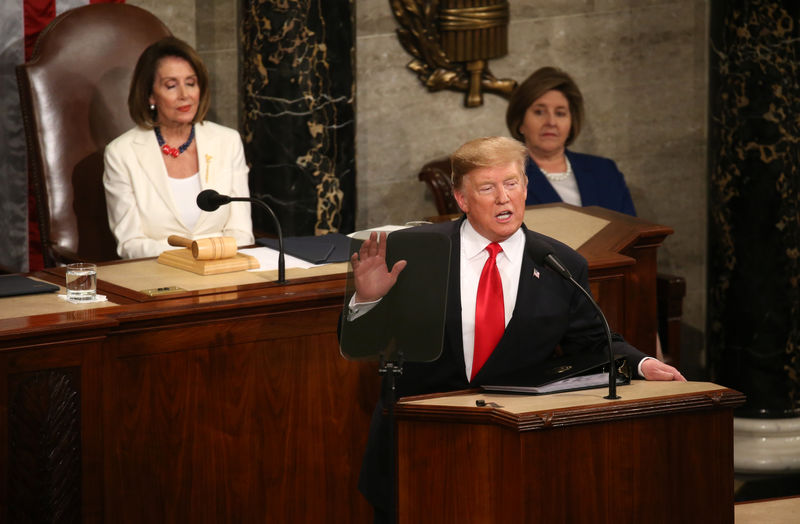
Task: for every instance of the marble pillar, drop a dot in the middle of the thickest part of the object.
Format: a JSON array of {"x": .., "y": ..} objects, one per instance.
[
  {"x": 298, "y": 112},
  {"x": 754, "y": 223}
]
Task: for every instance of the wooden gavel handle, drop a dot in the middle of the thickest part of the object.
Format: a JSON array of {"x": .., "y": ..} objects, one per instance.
[
  {"x": 213, "y": 248},
  {"x": 179, "y": 241}
]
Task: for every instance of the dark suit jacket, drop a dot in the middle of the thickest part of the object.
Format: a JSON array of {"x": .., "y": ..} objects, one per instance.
[
  {"x": 549, "y": 313},
  {"x": 600, "y": 183}
]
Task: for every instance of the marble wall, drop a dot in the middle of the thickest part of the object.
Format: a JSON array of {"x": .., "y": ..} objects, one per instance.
[
  {"x": 641, "y": 65},
  {"x": 754, "y": 247}
]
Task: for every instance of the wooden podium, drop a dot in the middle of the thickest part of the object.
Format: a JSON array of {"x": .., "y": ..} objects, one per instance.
[{"x": 663, "y": 453}]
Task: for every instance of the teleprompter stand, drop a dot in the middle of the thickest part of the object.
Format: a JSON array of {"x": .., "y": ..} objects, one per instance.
[{"x": 407, "y": 325}]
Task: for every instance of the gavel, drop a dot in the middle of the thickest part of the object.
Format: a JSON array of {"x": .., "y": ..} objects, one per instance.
[{"x": 213, "y": 248}]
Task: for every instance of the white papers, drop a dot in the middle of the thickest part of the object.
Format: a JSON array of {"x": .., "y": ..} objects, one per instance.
[
  {"x": 268, "y": 259},
  {"x": 364, "y": 233}
]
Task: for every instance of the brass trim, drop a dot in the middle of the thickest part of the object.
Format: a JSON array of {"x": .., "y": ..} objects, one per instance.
[{"x": 471, "y": 18}]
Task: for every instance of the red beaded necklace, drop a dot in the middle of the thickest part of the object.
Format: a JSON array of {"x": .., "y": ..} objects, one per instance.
[{"x": 169, "y": 150}]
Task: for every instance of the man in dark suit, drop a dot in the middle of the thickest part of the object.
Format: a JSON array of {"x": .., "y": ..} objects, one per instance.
[{"x": 539, "y": 312}]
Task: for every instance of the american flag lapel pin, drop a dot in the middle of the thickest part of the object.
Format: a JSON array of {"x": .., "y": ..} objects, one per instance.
[{"x": 535, "y": 273}]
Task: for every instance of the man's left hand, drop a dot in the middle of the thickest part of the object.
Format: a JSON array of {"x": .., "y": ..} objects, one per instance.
[{"x": 654, "y": 369}]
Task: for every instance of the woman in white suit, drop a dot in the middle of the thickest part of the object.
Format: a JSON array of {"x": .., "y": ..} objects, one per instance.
[{"x": 154, "y": 172}]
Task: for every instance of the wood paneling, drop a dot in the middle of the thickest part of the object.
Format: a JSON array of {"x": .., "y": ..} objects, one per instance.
[
  {"x": 663, "y": 461},
  {"x": 235, "y": 407}
]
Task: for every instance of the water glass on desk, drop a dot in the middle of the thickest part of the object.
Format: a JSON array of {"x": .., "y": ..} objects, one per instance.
[{"x": 81, "y": 282}]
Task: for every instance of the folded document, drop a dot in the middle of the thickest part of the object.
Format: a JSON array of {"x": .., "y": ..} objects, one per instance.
[
  {"x": 323, "y": 249},
  {"x": 570, "y": 373}
]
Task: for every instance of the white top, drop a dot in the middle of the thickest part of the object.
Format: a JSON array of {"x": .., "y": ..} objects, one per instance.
[
  {"x": 184, "y": 193},
  {"x": 472, "y": 259},
  {"x": 565, "y": 184}
]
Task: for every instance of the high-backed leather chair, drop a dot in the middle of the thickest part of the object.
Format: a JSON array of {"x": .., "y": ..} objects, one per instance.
[
  {"x": 670, "y": 289},
  {"x": 74, "y": 94}
]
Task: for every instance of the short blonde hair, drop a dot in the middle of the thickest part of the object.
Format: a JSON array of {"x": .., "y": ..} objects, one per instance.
[{"x": 486, "y": 152}]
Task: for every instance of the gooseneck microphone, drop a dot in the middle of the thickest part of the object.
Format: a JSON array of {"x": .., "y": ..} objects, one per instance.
[
  {"x": 210, "y": 200},
  {"x": 543, "y": 254}
]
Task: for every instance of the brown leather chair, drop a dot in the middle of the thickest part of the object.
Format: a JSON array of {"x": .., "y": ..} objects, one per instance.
[
  {"x": 670, "y": 289},
  {"x": 74, "y": 94}
]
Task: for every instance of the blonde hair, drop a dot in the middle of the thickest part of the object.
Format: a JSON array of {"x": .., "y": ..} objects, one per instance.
[{"x": 486, "y": 152}]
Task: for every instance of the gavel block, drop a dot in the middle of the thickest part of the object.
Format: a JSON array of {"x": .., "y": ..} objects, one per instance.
[{"x": 207, "y": 256}]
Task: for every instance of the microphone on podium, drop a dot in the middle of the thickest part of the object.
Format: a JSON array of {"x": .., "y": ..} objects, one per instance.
[
  {"x": 542, "y": 253},
  {"x": 210, "y": 200}
]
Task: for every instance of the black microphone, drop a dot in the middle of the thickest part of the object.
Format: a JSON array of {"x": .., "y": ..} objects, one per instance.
[
  {"x": 210, "y": 200},
  {"x": 542, "y": 253}
]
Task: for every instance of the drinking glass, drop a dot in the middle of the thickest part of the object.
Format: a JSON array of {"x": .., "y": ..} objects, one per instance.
[{"x": 81, "y": 282}]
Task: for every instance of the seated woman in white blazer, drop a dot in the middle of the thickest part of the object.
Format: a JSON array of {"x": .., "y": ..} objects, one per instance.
[{"x": 154, "y": 172}]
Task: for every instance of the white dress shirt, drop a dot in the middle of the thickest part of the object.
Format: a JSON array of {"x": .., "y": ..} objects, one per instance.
[{"x": 473, "y": 257}]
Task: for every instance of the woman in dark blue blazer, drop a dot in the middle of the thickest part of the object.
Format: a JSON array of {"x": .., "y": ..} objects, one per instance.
[{"x": 546, "y": 112}]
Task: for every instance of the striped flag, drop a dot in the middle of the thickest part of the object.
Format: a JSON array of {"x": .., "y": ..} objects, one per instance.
[{"x": 21, "y": 21}]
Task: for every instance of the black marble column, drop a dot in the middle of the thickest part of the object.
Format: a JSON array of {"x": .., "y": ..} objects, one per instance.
[
  {"x": 754, "y": 221},
  {"x": 299, "y": 125}
]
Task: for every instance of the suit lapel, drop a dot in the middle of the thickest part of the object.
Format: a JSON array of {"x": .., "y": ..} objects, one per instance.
[
  {"x": 145, "y": 147},
  {"x": 208, "y": 161},
  {"x": 453, "y": 319},
  {"x": 540, "y": 191},
  {"x": 528, "y": 290},
  {"x": 586, "y": 180}
]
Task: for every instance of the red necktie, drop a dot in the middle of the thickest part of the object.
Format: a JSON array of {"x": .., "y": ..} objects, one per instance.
[{"x": 490, "y": 317}]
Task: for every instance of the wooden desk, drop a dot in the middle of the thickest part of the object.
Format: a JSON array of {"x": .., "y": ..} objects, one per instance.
[
  {"x": 663, "y": 453},
  {"x": 225, "y": 406},
  {"x": 770, "y": 511}
]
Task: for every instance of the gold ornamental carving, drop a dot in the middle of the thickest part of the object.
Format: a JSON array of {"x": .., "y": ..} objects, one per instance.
[{"x": 451, "y": 42}]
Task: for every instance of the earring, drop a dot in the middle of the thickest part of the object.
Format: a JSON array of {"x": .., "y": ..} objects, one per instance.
[{"x": 152, "y": 107}]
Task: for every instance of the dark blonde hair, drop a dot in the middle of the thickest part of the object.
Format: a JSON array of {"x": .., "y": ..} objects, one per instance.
[
  {"x": 540, "y": 82},
  {"x": 145, "y": 73},
  {"x": 486, "y": 152}
]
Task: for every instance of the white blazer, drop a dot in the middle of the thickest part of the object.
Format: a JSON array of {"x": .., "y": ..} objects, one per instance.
[{"x": 141, "y": 209}]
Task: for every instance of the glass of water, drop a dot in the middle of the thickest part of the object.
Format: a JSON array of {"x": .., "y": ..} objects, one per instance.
[{"x": 81, "y": 282}]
